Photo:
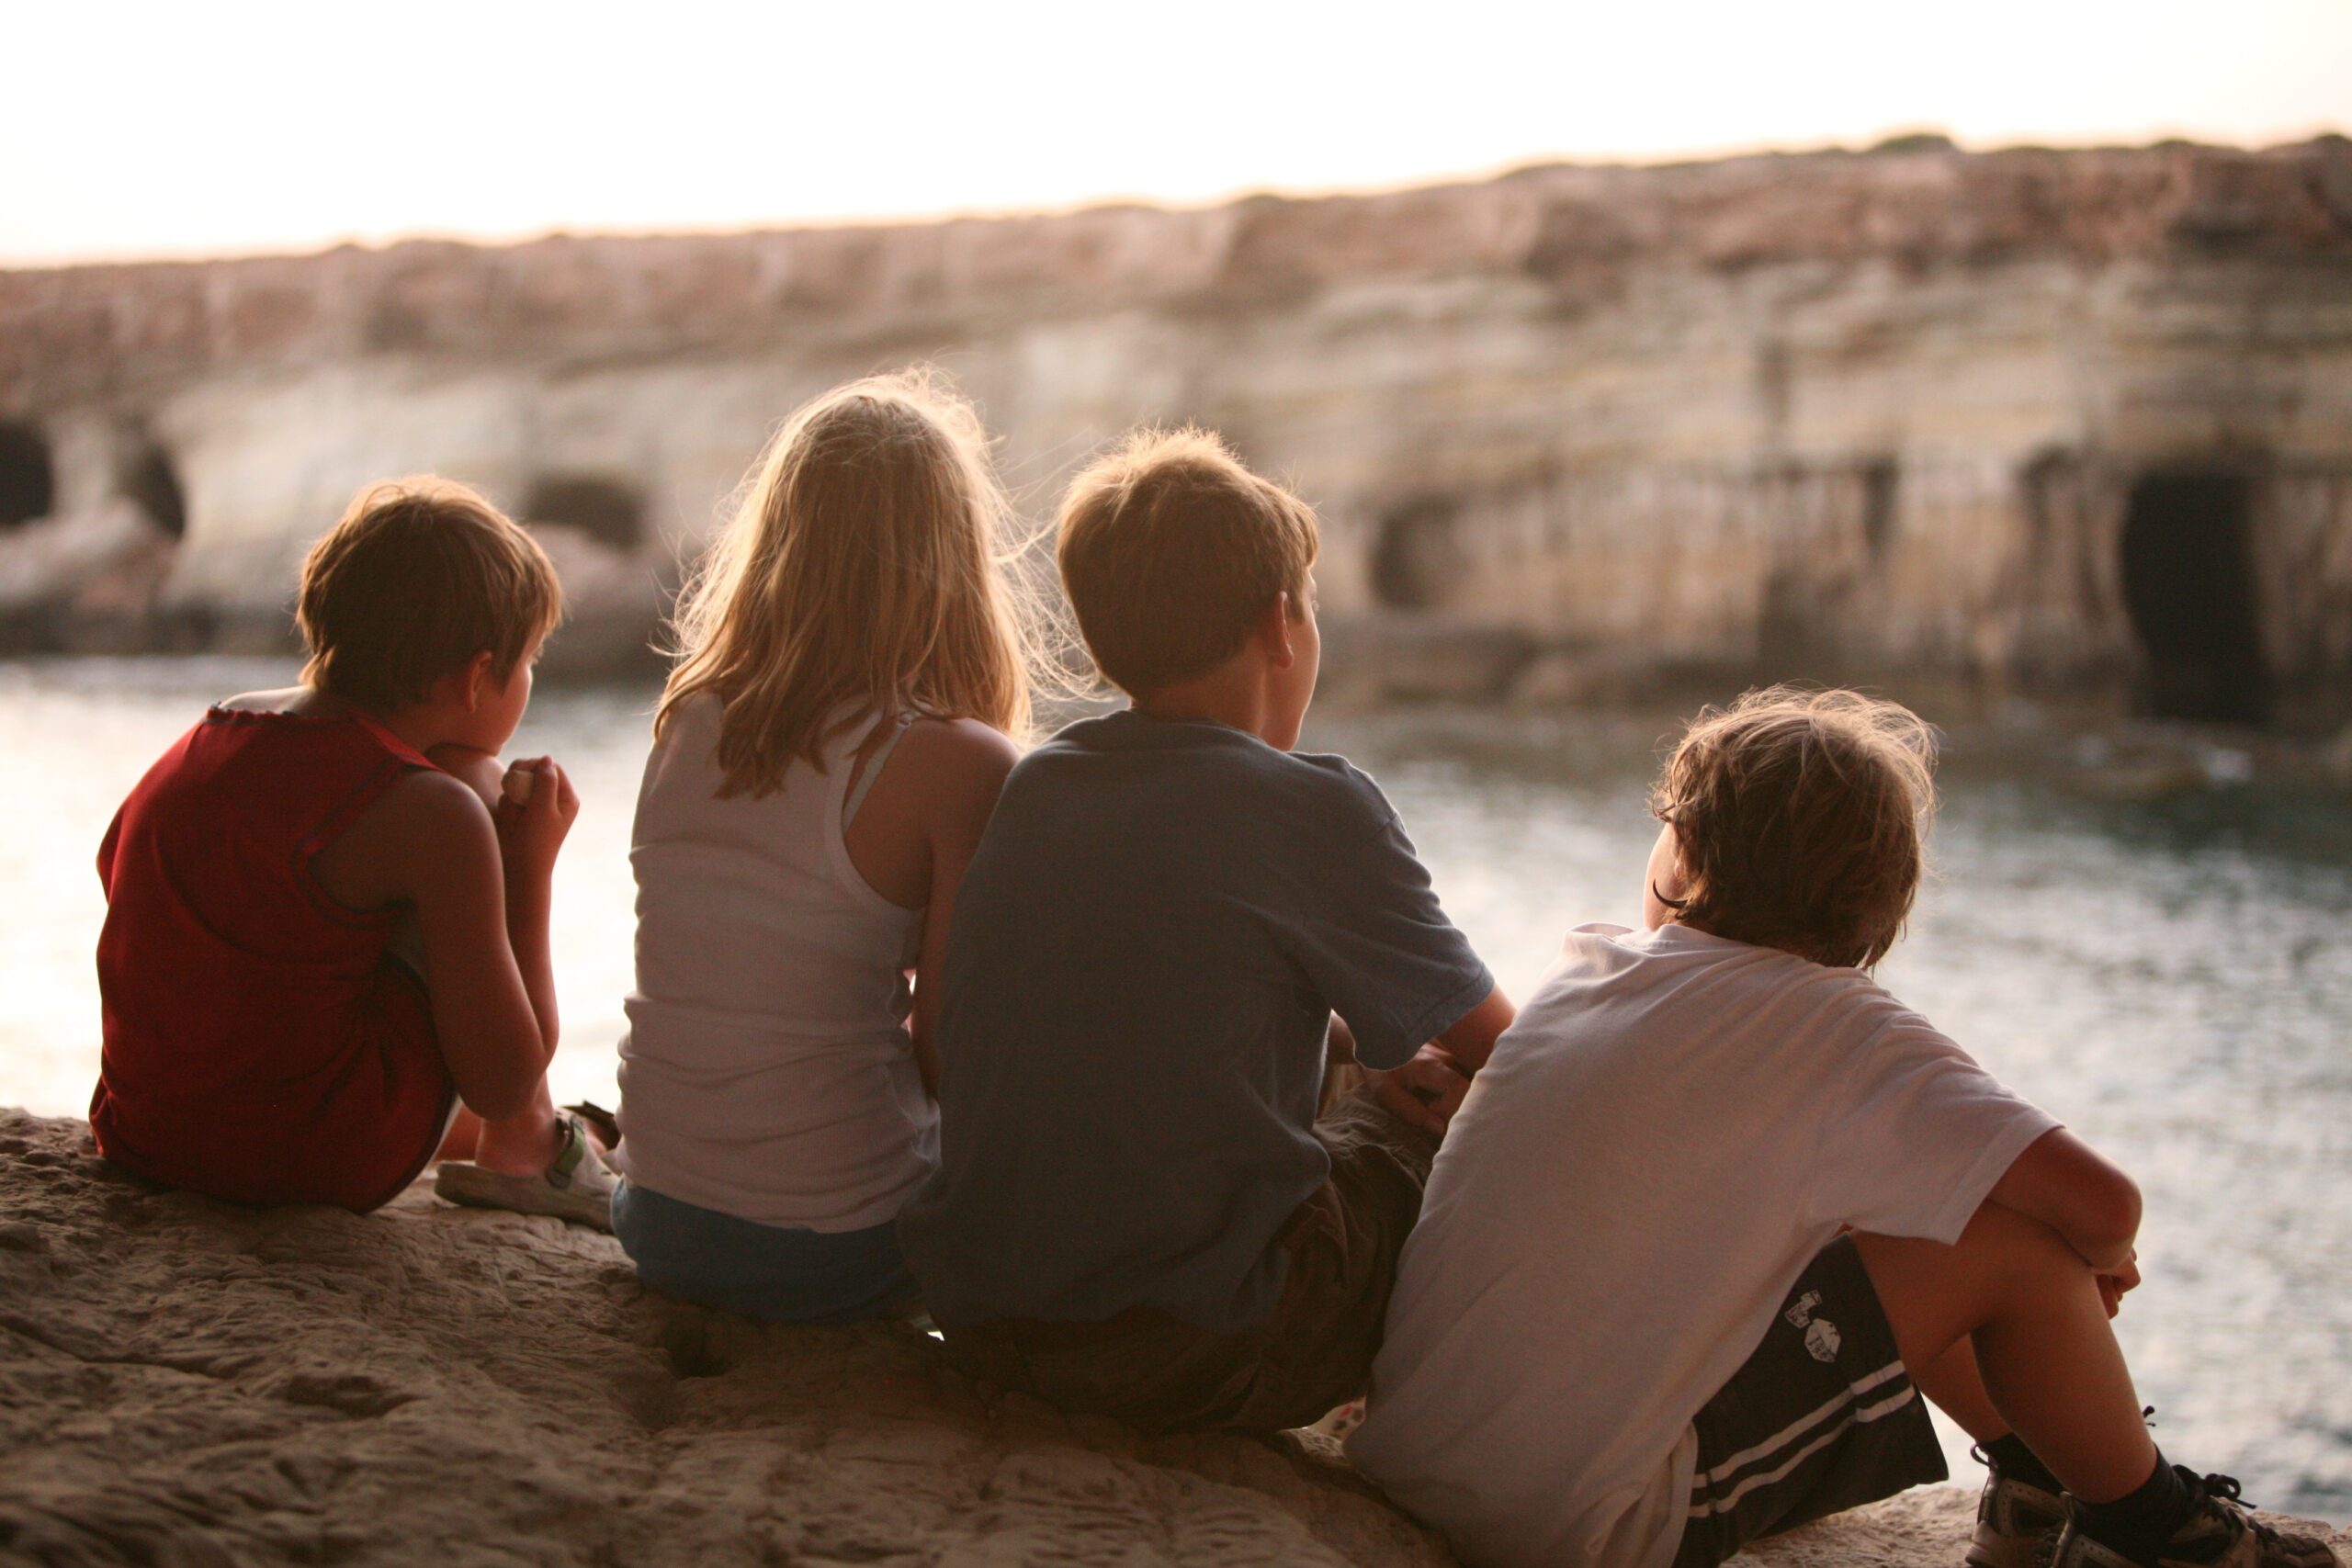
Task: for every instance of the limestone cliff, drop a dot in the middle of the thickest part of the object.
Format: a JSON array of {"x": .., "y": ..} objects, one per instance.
[
  {"x": 2079, "y": 417},
  {"x": 191, "y": 1384}
]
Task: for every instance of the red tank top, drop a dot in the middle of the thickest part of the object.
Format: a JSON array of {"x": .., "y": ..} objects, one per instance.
[{"x": 260, "y": 1046}]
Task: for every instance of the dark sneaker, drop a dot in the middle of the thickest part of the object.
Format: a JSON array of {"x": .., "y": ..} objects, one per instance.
[
  {"x": 2218, "y": 1533},
  {"x": 2015, "y": 1523}
]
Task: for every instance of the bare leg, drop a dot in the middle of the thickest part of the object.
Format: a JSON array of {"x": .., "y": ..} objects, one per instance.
[
  {"x": 518, "y": 1145},
  {"x": 1952, "y": 1384},
  {"x": 2046, "y": 1360},
  {"x": 464, "y": 1134},
  {"x": 523, "y": 1143}
]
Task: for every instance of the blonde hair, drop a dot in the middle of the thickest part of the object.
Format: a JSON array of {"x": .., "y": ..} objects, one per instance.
[
  {"x": 859, "y": 571},
  {"x": 1802, "y": 820},
  {"x": 417, "y": 578},
  {"x": 1170, "y": 549}
]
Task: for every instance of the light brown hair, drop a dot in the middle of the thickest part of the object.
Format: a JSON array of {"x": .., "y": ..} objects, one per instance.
[
  {"x": 1170, "y": 549},
  {"x": 1801, "y": 817},
  {"x": 417, "y": 578},
  {"x": 862, "y": 572}
]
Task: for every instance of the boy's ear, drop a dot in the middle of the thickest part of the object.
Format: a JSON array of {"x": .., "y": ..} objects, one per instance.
[
  {"x": 475, "y": 679},
  {"x": 1275, "y": 632},
  {"x": 1674, "y": 878}
]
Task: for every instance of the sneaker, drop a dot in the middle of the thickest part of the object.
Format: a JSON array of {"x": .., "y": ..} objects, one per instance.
[
  {"x": 2015, "y": 1522},
  {"x": 2218, "y": 1533}
]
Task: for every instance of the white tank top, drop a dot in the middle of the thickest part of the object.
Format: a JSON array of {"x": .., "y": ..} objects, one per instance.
[{"x": 768, "y": 1072}]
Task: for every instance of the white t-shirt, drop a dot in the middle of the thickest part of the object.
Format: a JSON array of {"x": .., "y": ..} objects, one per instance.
[
  {"x": 768, "y": 1072},
  {"x": 1674, "y": 1127}
]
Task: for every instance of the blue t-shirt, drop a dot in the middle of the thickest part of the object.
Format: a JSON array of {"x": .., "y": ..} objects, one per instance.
[{"x": 1147, "y": 949}]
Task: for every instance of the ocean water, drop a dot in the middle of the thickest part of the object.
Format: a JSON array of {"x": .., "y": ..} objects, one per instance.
[{"x": 2171, "y": 976}]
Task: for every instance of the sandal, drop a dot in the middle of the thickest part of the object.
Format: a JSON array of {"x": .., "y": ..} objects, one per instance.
[
  {"x": 601, "y": 1121},
  {"x": 576, "y": 1185}
]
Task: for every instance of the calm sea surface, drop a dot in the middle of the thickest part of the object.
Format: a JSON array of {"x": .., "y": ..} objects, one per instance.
[{"x": 2173, "y": 976}]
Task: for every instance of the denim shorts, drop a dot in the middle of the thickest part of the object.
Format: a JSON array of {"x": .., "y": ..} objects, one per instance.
[{"x": 774, "y": 1273}]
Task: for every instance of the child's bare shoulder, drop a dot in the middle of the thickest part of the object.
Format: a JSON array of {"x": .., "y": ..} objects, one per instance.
[
  {"x": 427, "y": 814},
  {"x": 434, "y": 800},
  {"x": 960, "y": 751},
  {"x": 285, "y": 699},
  {"x": 426, "y": 830},
  {"x": 477, "y": 770}
]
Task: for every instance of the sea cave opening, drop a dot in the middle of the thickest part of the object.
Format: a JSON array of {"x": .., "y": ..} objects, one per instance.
[
  {"x": 608, "y": 511},
  {"x": 28, "y": 476},
  {"x": 1417, "y": 554},
  {"x": 1881, "y": 490},
  {"x": 2188, "y": 586},
  {"x": 152, "y": 483}
]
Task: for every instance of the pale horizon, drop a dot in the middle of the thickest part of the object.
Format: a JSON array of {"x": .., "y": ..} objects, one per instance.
[{"x": 157, "y": 134}]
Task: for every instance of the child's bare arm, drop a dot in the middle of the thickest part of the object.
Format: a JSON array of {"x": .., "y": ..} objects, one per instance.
[
  {"x": 528, "y": 896},
  {"x": 431, "y": 842},
  {"x": 2070, "y": 1186},
  {"x": 1427, "y": 1089},
  {"x": 965, "y": 769},
  {"x": 1472, "y": 1039},
  {"x": 530, "y": 833}
]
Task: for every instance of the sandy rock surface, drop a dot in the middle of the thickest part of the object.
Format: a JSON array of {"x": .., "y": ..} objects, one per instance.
[{"x": 184, "y": 1382}]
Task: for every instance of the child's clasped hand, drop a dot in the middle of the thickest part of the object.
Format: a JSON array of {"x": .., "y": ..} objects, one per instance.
[{"x": 536, "y": 807}]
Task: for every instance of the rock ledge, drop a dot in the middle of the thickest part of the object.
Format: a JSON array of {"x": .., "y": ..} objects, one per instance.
[{"x": 187, "y": 1383}]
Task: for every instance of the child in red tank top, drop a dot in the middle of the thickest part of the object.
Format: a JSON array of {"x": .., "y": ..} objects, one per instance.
[{"x": 264, "y": 1042}]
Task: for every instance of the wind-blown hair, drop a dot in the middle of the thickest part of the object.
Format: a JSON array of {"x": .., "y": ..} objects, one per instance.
[
  {"x": 1802, "y": 821},
  {"x": 861, "y": 573}
]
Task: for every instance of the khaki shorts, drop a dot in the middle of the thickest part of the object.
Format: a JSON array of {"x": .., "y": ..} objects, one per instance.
[{"x": 1312, "y": 1355}]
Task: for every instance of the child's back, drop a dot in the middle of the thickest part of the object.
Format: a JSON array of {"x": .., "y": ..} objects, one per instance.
[
  {"x": 1720, "y": 1211},
  {"x": 1151, "y": 942},
  {"x": 266, "y": 1038},
  {"x": 828, "y": 751},
  {"x": 767, "y": 1070},
  {"x": 1673, "y": 1130},
  {"x": 1138, "y": 1213},
  {"x": 257, "y": 1046}
]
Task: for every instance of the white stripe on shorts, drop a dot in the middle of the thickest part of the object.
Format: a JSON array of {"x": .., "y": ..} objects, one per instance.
[
  {"x": 1796, "y": 1429},
  {"x": 1867, "y": 1413}
]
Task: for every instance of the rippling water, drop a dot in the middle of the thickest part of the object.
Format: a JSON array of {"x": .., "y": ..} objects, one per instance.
[{"x": 2171, "y": 977}]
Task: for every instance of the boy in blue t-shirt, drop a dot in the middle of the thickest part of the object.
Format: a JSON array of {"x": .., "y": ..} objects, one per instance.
[{"x": 1137, "y": 1211}]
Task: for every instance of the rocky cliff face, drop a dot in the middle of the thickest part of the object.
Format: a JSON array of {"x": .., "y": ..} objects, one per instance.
[
  {"x": 2079, "y": 417},
  {"x": 189, "y": 1383}
]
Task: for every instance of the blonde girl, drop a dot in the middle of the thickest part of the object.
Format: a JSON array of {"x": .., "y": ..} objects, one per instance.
[{"x": 850, "y": 677}]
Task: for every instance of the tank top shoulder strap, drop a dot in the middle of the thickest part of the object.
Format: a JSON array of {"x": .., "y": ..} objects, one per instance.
[
  {"x": 898, "y": 724},
  {"x": 377, "y": 766},
  {"x": 401, "y": 749}
]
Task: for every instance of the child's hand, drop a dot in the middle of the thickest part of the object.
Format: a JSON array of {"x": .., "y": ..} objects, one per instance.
[
  {"x": 536, "y": 808},
  {"x": 1426, "y": 1091},
  {"x": 2112, "y": 1288}
]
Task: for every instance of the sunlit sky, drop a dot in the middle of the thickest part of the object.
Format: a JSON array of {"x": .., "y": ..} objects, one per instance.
[{"x": 188, "y": 130}]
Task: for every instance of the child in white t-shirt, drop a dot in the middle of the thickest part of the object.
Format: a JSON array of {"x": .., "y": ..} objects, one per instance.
[{"x": 1719, "y": 1210}]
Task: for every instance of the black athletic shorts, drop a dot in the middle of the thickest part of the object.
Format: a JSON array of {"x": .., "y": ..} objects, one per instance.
[{"x": 1821, "y": 1418}]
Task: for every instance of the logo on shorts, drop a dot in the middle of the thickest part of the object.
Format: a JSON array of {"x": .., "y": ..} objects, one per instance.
[{"x": 1820, "y": 1334}]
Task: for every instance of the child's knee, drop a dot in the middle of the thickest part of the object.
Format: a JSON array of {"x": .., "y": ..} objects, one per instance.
[{"x": 2025, "y": 1253}]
